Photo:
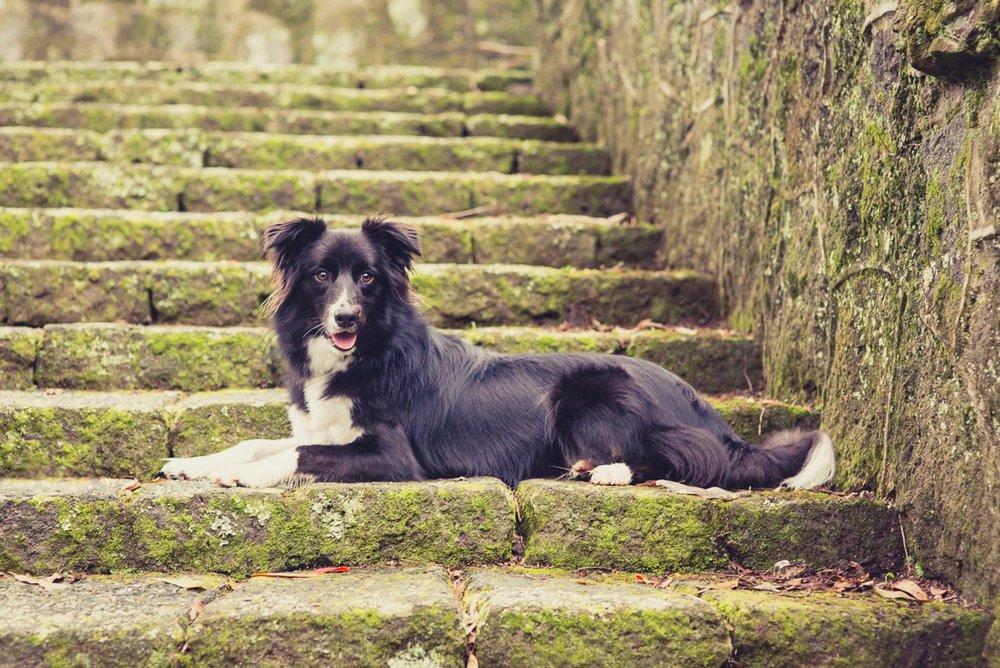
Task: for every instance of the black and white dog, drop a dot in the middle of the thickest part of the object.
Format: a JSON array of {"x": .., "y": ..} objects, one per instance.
[{"x": 377, "y": 394}]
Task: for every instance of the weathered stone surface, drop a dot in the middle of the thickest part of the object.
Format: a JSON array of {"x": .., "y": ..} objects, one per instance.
[
  {"x": 125, "y": 621},
  {"x": 105, "y": 356},
  {"x": 105, "y": 117},
  {"x": 368, "y": 617},
  {"x": 18, "y": 352},
  {"x": 94, "y": 526},
  {"x": 812, "y": 529},
  {"x": 498, "y": 294},
  {"x": 82, "y": 434},
  {"x": 258, "y": 150},
  {"x": 36, "y": 292},
  {"x": 862, "y": 249},
  {"x": 230, "y": 293},
  {"x": 108, "y": 235},
  {"x": 572, "y": 525},
  {"x": 828, "y": 630},
  {"x": 101, "y": 356},
  {"x": 397, "y": 76},
  {"x": 540, "y": 619},
  {"x": 212, "y": 421},
  {"x": 109, "y": 185},
  {"x": 97, "y": 185},
  {"x": 285, "y": 96},
  {"x": 711, "y": 361},
  {"x": 753, "y": 418},
  {"x": 118, "y": 234}
]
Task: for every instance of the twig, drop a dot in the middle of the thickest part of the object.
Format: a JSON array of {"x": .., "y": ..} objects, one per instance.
[
  {"x": 467, "y": 213},
  {"x": 906, "y": 552},
  {"x": 506, "y": 49}
]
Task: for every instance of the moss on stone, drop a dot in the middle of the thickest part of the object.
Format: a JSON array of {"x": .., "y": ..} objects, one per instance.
[
  {"x": 89, "y": 526},
  {"x": 205, "y": 423},
  {"x": 519, "y": 127},
  {"x": 828, "y": 630},
  {"x": 128, "y": 357},
  {"x": 371, "y": 617},
  {"x": 526, "y": 340},
  {"x": 122, "y": 623},
  {"x": 545, "y": 620},
  {"x": 18, "y": 356},
  {"x": 751, "y": 419},
  {"x": 572, "y": 525},
  {"x": 217, "y": 293},
  {"x": 815, "y": 530},
  {"x": 709, "y": 361},
  {"x": 41, "y": 292},
  {"x": 73, "y": 434}
]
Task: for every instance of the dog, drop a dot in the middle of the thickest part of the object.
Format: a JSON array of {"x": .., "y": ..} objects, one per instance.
[{"x": 378, "y": 395}]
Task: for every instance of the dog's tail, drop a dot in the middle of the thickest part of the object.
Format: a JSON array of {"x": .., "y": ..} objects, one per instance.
[{"x": 793, "y": 458}]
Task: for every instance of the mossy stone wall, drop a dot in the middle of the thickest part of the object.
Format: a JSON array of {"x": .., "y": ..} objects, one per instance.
[
  {"x": 836, "y": 164},
  {"x": 343, "y": 34}
]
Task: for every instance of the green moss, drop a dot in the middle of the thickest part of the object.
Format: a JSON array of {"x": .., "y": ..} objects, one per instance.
[
  {"x": 934, "y": 216},
  {"x": 546, "y": 620},
  {"x": 826, "y": 630},
  {"x": 751, "y": 419},
  {"x": 18, "y": 356}
]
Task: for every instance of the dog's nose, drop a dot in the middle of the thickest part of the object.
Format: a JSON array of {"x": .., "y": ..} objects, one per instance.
[{"x": 346, "y": 318}]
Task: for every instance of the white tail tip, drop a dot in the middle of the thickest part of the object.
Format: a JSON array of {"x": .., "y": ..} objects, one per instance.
[{"x": 819, "y": 467}]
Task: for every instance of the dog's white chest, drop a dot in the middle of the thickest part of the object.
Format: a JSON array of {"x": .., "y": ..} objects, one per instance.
[{"x": 327, "y": 420}]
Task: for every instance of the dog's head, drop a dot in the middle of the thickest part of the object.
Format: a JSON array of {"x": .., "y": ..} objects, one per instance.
[{"x": 338, "y": 284}]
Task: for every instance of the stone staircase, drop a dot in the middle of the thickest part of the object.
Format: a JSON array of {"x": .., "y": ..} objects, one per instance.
[{"x": 132, "y": 198}]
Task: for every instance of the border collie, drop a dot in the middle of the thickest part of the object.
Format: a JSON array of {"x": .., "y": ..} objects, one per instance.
[{"x": 376, "y": 394}]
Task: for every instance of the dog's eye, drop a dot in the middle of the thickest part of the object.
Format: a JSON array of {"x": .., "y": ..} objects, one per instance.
[
  {"x": 366, "y": 277},
  {"x": 322, "y": 275}
]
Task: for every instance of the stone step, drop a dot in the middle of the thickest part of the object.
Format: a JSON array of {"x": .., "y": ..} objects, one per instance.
[
  {"x": 275, "y": 96},
  {"x": 40, "y": 292},
  {"x": 256, "y": 150},
  {"x": 155, "y": 188},
  {"x": 386, "y": 76},
  {"x": 99, "y": 235},
  {"x": 542, "y": 618},
  {"x": 74, "y": 433},
  {"x": 411, "y": 617},
  {"x": 102, "y": 356},
  {"x": 403, "y": 617},
  {"x": 105, "y": 117},
  {"x": 105, "y": 525}
]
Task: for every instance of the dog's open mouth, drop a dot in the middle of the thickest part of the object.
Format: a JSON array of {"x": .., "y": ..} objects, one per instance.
[{"x": 344, "y": 340}]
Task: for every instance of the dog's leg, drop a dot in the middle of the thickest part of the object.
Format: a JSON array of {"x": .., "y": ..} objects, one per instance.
[
  {"x": 241, "y": 453},
  {"x": 382, "y": 453}
]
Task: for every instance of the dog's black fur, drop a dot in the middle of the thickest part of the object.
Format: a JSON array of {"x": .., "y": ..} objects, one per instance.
[{"x": 433, "y": 406}]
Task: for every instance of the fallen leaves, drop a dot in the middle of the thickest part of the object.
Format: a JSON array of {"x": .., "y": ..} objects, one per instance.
[
  {"x": 50, "y": 583},
  {"x": 702, "y": 492},
  {"x": 785, "y": 577}
]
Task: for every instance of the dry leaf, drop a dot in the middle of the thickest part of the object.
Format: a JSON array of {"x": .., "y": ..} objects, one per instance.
[
  {"x": 53, "y": 391},
  {"x": 331, "y": 569},
  {"x": 134, "y": 485},
  {"x": 640, "y": 579},
  {"x": 784, "y": 563},
  {"x": 316, "y": 573},
  {"x": 473, "y": 662},
  {"x": 705, "y": 493},
  {"x": 893, "y": 593},
  {"x": 766, "y": 586},
  {"x": 197, "y": 605},
  {"x": 728, "y": 584},
  {"x": 911, "y": 588},
  {"x": 48, "y": 584}
]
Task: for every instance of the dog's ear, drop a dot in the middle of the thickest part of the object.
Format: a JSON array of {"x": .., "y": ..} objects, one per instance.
[
  {"x": 399, "y": 241},
  {"x": 282, "y": 244}
]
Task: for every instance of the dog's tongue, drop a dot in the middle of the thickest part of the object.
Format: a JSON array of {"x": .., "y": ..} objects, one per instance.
[{"x": 344, "y": 340}]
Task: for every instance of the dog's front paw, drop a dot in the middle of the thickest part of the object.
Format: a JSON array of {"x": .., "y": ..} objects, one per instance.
[
  {"x": 245, "y": 475},
  {"x": 611, "y": 474},
  {"x": 186, "y": 468}
]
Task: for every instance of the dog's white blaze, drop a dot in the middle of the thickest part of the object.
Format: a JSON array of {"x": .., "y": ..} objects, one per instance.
[
  {"x": 325, "y": 358},
  {"x": 611, "y": 474},
  {"x": 328, "y": 420},
  {"x": 342, "y": 302},
  {"x": 264, "y": 473},
  {"x": 819, "y": 467}
]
